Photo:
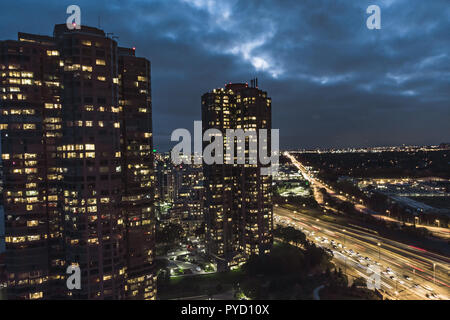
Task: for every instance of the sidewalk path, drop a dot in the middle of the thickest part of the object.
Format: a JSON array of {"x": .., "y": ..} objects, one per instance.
[{"x": 316, "y": 292}]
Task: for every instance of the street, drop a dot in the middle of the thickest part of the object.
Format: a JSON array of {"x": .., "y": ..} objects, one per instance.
[{"x": 406, "y": 272}]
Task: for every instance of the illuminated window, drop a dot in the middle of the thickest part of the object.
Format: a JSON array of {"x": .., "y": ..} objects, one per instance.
[
  {"x": 29, "y": 126},
  {"x": 100, "y": 62},
  {"x": 52, "y": 53},
  {"x": 32, "y": 223}
]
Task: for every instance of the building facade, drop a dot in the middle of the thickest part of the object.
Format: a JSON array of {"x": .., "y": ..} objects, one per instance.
[
  {"x": 238, "y": 198},
  {"x": 76, "y": 146}
]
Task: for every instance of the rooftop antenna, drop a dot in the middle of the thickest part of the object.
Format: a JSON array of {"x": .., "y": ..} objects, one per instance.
[{"x": 99, "y": 22}]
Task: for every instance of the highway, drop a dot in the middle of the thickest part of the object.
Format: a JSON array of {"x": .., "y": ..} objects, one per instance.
[
  {"x": 411, "y": 268},
  {"x": 316, "y": 185},
  {"x": 414, "y": 272}
]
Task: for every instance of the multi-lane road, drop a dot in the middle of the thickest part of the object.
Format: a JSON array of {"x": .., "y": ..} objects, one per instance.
[
  {"x": 316, "y": 184},
  {"x": 405, "y": 272}
]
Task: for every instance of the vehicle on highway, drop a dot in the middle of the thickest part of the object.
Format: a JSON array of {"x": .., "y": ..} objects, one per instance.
[
  {"x": 427, "y": 287},
  {"x": 432, "y": 296}
]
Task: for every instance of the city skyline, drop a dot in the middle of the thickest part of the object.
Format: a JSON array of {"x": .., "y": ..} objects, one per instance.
[
  {"x": 337, "y": 84},
  {"x": 210, "y": 150}
]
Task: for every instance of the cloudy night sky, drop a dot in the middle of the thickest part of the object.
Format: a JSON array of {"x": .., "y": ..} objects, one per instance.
[{"x": 333, "y": 82}]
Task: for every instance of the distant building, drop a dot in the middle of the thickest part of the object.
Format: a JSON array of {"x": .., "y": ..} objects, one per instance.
[
  {"x": 238, "y": 199},
  {"x": 166, "y": 179}
]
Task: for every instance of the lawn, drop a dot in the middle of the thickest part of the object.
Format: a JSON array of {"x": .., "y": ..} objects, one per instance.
[{"x": 187, "y": 286}]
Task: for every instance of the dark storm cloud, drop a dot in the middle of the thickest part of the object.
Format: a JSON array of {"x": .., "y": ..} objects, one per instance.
[{"x": 333, "y": 82}]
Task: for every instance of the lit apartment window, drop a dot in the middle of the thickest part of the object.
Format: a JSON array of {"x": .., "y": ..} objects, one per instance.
[
  {"x": 29, "y": 126},
  {"x": 52, "y": 53}
]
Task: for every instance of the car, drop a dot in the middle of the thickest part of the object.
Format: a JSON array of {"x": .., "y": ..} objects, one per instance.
[
  {"x": 416, "y": 286},
  {"x": 407, "y": 277},
  {"x": 389, "y": 271},
  {"x": 432, "y": 296},
  {"x": 401, "y": 281},
  {"x": 427, "y": 287}
]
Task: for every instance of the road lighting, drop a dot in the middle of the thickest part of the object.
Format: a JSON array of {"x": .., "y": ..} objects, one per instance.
[
  {"x": 345, "y": 256},
  {"x": 379, "y": 245},
  {"x": 434, "y": 273}
]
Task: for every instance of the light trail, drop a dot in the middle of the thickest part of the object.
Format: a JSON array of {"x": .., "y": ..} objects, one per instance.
[{"x": 371, "y": 250}]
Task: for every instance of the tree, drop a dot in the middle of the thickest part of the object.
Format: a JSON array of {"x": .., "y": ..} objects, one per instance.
[
  {"x": 169, "y": 234},
  {"x": 359, "y": 282}
]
